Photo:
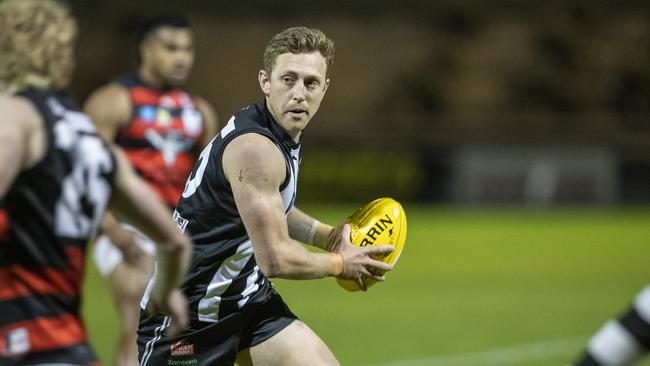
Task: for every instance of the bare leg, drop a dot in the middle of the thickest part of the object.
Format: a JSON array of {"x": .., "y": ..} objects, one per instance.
[
  {"x": 127, "y": 286},
  {"x": 295, "y": 345}
]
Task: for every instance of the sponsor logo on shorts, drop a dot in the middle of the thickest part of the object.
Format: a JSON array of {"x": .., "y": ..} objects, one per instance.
[
  {"x": 193, "y": 361},
  {"x": 182, "y": 348}
]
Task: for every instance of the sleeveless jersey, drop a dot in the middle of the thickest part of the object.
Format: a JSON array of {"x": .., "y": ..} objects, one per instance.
[
  {"x": 161, "y": 139},
  {"x": 52, "y": 210},
  {"x": 224, "y": 276}
]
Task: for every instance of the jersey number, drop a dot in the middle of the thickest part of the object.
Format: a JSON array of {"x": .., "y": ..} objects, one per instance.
[
  {"x": 194, "y": 180},
  {"x": 85, "y": 190}
]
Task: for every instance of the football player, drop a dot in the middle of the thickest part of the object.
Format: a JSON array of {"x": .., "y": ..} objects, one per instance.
[
  {"x": 161, "y": 128},
  {"x": 239, "y": 206},
  {"x": 57, "y": 178}
]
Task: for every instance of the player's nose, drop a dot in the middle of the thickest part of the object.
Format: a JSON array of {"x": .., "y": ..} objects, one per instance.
[{"x": 299, "y": 92}]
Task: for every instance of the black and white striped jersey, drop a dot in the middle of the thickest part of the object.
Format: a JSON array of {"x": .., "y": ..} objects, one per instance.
[
  {"x": 53, "y": 210},
  {"x": 224, "y": 276}
]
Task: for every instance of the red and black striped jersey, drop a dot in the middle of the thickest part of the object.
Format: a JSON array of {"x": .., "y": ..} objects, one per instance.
[
  {"x": 161, "y": 139},
  {"x": 50, "y": 213}
]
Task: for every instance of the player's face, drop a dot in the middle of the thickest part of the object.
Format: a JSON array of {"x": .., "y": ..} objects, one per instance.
[
  {"x": 295, "y": 89},
  {"x": 64, "y": 64},
  {"x": 61, "y": 63},
  {"x": 169, "y": 55}
]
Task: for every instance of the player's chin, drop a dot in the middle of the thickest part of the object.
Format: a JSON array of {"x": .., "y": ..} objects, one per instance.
[
  {"x": 176, "y": 82},
  {"x": 178, "y": 78},
  {"x": 298, "y": 121}
]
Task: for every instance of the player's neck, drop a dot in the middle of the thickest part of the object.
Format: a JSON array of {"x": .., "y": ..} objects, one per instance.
[
  {"x": 294, "y": 134},
  {"x": 151, "y": 79}
]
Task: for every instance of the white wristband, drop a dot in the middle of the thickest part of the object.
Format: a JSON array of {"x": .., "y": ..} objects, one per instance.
[{"x": 312, "y": 231}]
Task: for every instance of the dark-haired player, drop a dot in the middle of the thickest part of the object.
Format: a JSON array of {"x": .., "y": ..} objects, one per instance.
[{"x": 161, "y": 128}]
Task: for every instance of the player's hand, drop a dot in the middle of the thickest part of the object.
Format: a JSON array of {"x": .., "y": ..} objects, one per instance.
[
  {"x": 334, "y": 238},
  {"x": 174, "y": 306},
  {"x": 133, "y": 253},
  {"x": 358, "y": 261}
]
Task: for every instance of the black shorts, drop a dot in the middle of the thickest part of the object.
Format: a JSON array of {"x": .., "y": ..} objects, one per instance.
[{"x": 212, "y": 343}]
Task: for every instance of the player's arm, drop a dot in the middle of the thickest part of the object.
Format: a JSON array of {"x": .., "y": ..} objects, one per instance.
[
  {"x": 134, "y": 201},
  {"x": 255, "y": 169},
  {"x": 210, "y": 120},
  {"x": 22, "y": 140},
  {"x": 307, "y": 229},
  {"x": 109, "y": 107},
  {"x": 124, "y": 240}
]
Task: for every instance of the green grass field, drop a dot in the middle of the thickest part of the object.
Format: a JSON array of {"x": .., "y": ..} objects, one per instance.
[{"x": 473, "y": 287}]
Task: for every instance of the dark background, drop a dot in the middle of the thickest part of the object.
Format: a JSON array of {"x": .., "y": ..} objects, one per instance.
[{"x": 500, "y": 102}]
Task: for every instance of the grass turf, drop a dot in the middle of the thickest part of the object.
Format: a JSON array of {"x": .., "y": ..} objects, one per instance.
[{"x": 468, "y": 281}]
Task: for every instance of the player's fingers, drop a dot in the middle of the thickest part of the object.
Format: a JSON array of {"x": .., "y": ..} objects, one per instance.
[
  {"x": 173, "y": 329},
  {"x": 365, "y": 272},
  {"x": 179, "y": 317},
  {"x": 361, "y": 283},
  {"x": 378, "y": 278},
  {"x": 379, "y": 249},
  {"x": 178, "y": 323},
  {"x": 379, "y": 265}
]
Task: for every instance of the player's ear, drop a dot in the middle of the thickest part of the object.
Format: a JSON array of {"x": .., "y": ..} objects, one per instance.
[
  {"x": 265, "y": 83},
  {"x": 327, "y": 84}
]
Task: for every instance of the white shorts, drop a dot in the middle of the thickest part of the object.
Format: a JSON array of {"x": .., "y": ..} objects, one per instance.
[{"x": 107, "y": 256}]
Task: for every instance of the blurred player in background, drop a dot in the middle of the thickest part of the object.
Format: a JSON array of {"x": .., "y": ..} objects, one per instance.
[
  {"x": 624, "y": 341},
  {"x": 57, "y": 179},
  {"x": 161, "y": 128},
  {"x": 238, "y": 205}
]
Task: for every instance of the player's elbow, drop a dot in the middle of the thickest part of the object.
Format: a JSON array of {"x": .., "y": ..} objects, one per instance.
[{"x": 273, "y": 264}]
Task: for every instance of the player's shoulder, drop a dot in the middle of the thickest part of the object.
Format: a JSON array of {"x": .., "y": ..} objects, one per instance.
[
  {"x": 13, "y": 101},
  {"x": 252, "y": 147},
  {"x": 111, "y": 90},
  {"x": 17, "y": 109},
  {"x": 199, "y": 100},
  {"x": 249, "y": 116},
  {"x": 206, "y": 108},
  {"x": 112, "y": 98},
  {"x": 112, "y": 94},
  {"x": 251, "y": 151}
]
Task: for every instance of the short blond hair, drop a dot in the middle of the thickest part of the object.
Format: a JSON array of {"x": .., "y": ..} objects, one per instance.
[
  {"x": 298, "y": 40},
  {"x": 32, "y": 36}
]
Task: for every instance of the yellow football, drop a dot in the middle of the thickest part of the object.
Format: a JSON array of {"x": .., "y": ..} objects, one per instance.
[{"x": 380, "y": 222}]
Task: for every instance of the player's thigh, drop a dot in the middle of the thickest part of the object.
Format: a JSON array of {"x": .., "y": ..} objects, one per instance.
[
  {"x": 295, "y": 345},
  {"x": 127, "y": 282}
]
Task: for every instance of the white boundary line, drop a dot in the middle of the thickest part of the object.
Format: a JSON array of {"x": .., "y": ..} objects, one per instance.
[{"x": 538, "y": 351}]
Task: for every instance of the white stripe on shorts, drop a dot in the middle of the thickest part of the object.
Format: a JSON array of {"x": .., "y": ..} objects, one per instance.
[{"x": 157, "y": 334}]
